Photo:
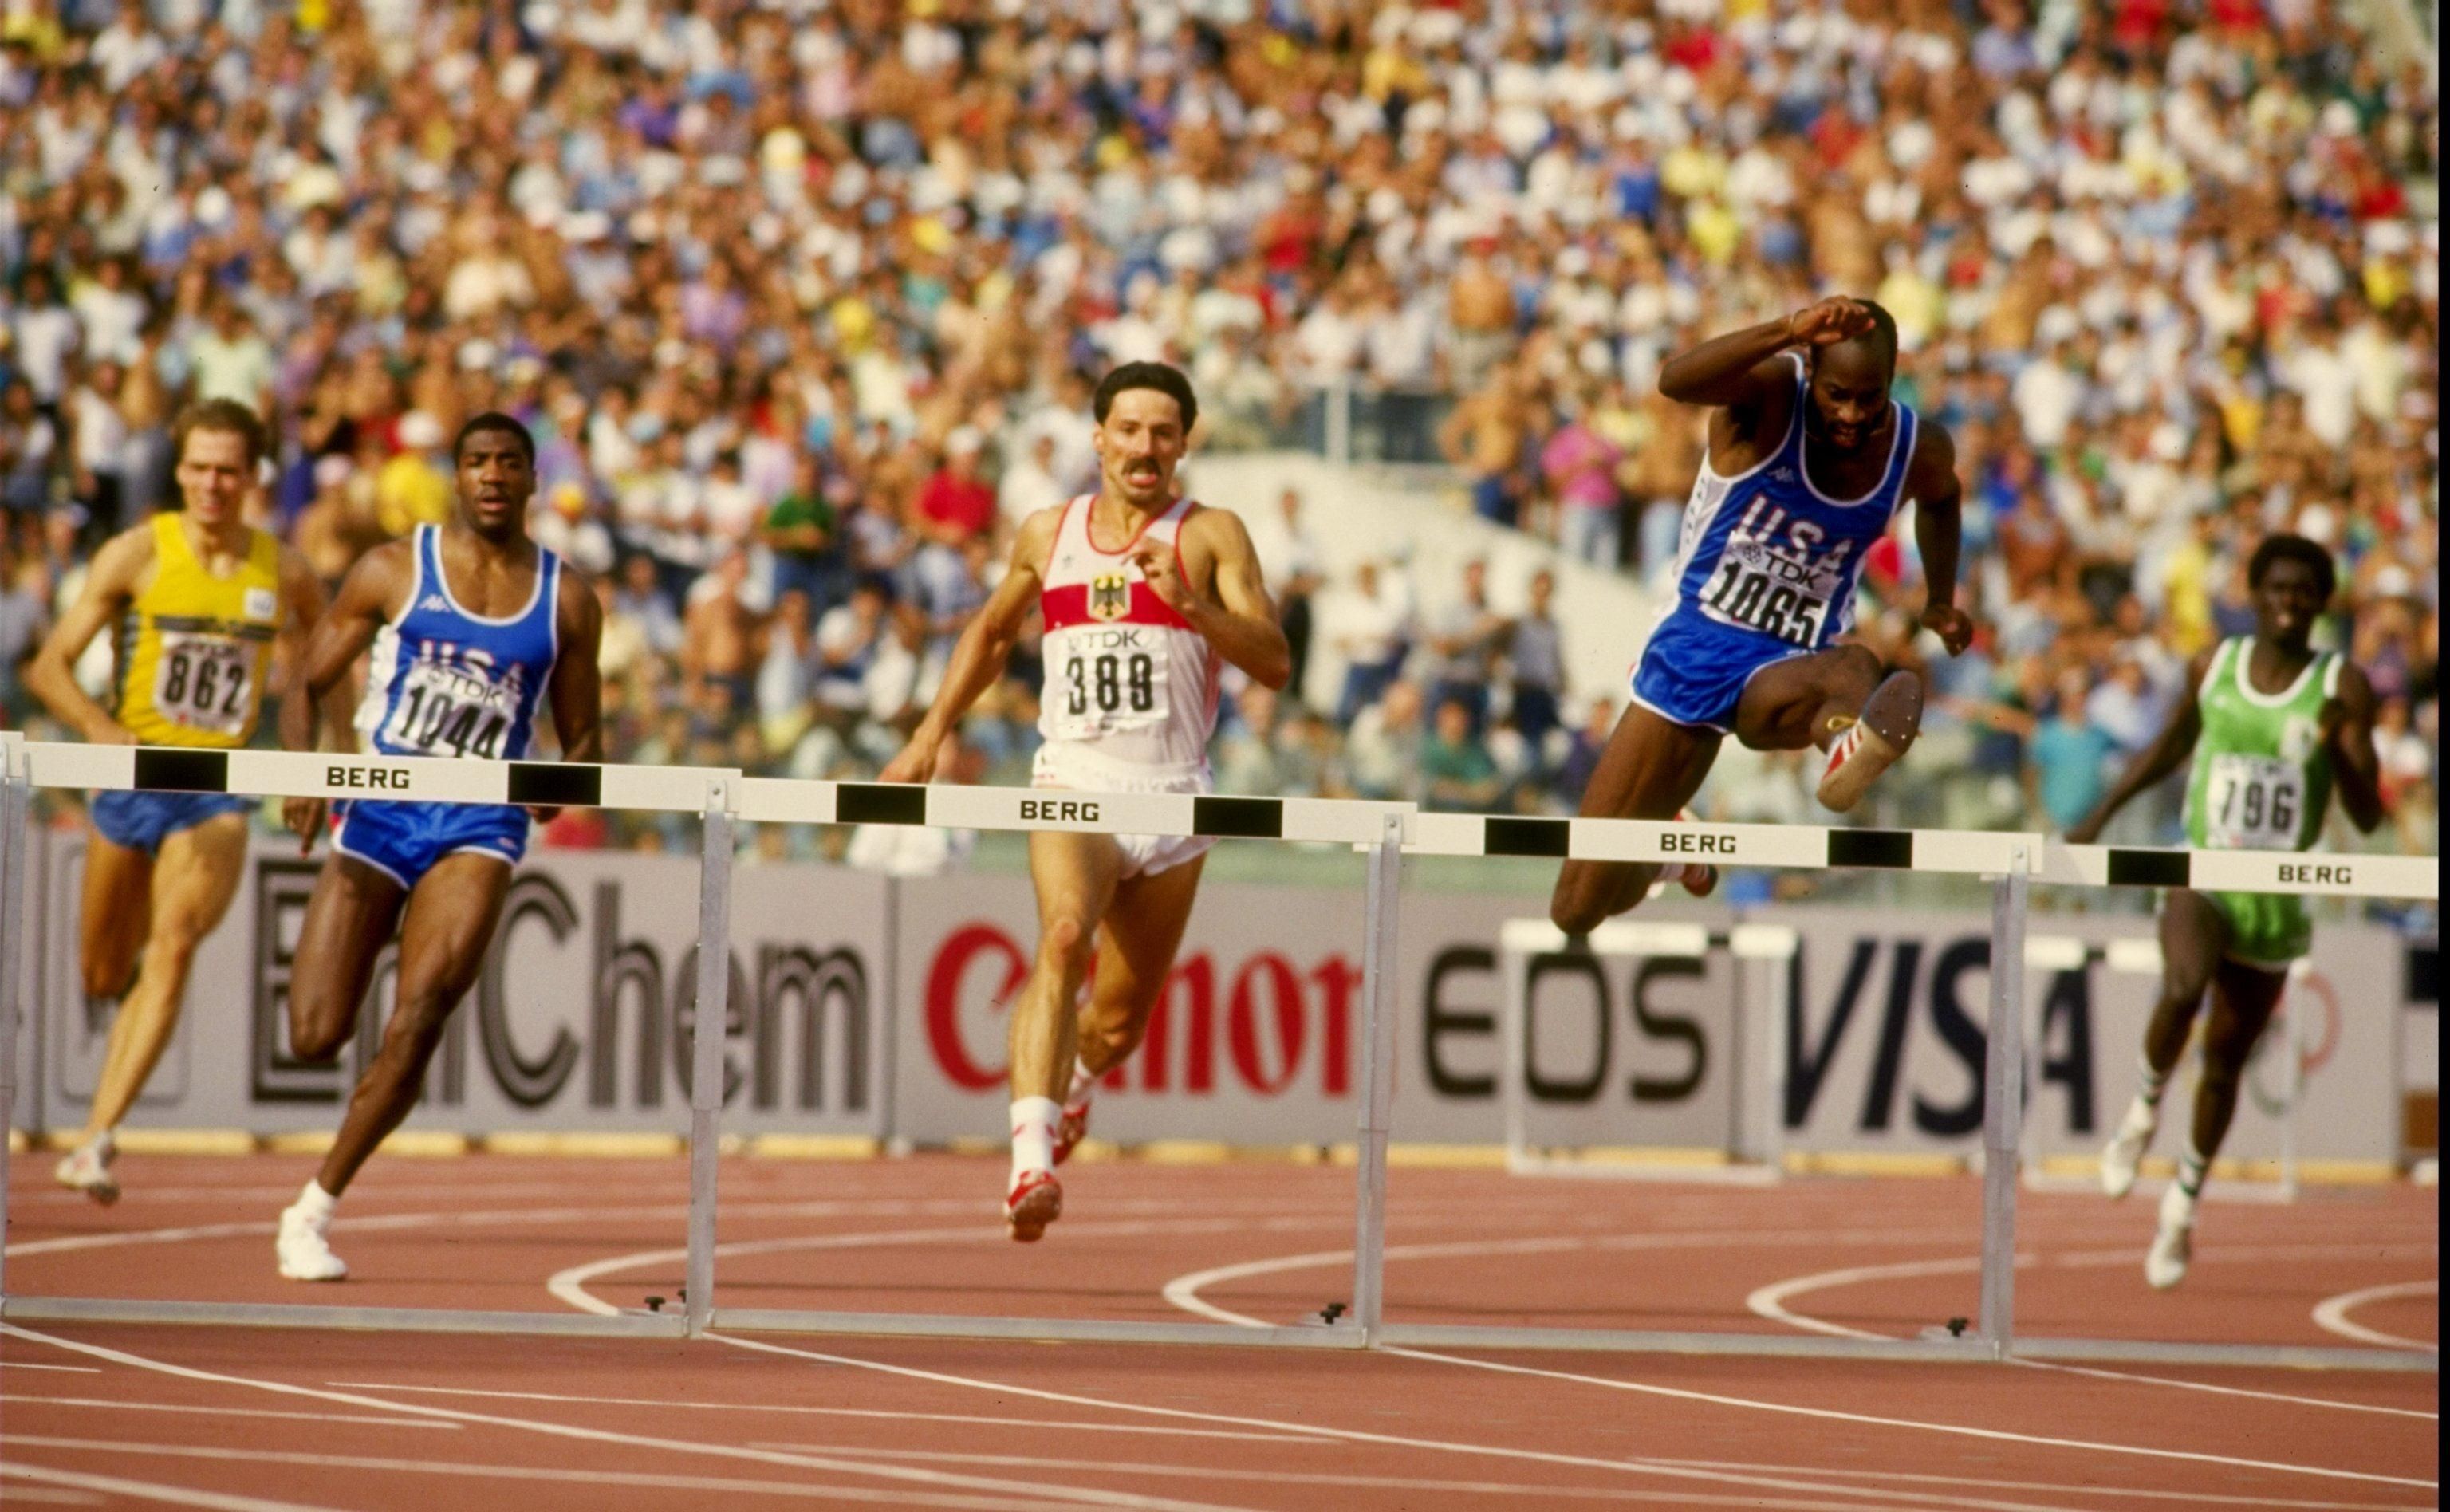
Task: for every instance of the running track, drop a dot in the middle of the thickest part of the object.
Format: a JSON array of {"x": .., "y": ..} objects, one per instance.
[{"x": 95, "y": 1415}]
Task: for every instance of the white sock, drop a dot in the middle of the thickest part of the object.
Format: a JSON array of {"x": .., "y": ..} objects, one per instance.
[
  {"x": 2191, "y": 1167},
  {"x": 1084, "y": 1084},
  {"x": 1033, "y": 1133},
  {"x": 315, "y": 1203},
  {"x": 105, "y": 1144}
]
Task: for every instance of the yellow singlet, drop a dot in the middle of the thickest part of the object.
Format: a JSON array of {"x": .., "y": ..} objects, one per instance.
[{"x": 194, "y": 648}]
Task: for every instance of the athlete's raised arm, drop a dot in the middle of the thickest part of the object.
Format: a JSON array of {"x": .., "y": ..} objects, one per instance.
[
  {"x": 301, "y": 610},
  {"x": 2168, "y": 752},
  {"x": 318, "y": 669},
  {"x": 2347, "y": 734},
  {"x": 1736, "y": 370},
  {"x": 985, "y": 645},
  {"x": 578, "y": 686},
  {"x": 1939, "y": 502},
  {"x": 1241, "y": 622},
  {"x": 109, "y": 584}
]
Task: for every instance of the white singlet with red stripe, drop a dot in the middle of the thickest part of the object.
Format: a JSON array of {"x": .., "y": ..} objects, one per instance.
[{"x": 1128, "y": 683}]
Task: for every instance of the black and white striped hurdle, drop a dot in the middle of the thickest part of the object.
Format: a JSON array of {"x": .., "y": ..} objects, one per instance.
[{"x": 1388, "y": 832}]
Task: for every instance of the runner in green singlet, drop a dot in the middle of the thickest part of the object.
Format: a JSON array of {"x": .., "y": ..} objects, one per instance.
[{"x": 2272, "y": 726}]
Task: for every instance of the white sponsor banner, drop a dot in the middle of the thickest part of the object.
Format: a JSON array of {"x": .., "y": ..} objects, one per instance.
[{"x": 580, "y": 1020}]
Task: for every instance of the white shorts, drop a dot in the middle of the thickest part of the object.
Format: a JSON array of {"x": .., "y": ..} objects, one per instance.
[{"x": 1060, "y": 764}]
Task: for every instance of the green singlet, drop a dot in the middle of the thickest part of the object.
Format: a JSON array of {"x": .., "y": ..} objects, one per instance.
[{"x": 2262, "y": 781}]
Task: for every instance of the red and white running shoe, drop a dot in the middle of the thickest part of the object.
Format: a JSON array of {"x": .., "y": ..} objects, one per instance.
[
  {"x": 1071, "y": 1129},
  {"x": 1034, "y": 1201},
  {"x": 1891, "y": 719}
]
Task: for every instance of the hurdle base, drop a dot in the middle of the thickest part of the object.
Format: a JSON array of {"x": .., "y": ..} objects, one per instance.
[
  {"x": 1071, "y": 1330},
  {"x": 301, "y": 1315},
  {"x": 1967, "y": 1351}
]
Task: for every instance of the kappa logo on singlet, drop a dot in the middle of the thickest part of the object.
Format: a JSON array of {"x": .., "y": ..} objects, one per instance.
[
  {"x": 436, "y": 604},
  {"x": 1110, "y": 596},
  {"x": 1785, "y": 474}
]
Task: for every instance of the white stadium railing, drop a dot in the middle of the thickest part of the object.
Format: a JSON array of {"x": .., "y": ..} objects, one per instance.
[{"x": 2013, "y": 861}]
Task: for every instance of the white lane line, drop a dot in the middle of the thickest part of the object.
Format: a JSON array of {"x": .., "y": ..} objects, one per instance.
[
  {"x": 150, "y": 1491},
  {"x": 570, "y": 1284},
  {"x": 1679, "y": 1497},
  {"x": 226, "y": 1412},
  {"x": 1911, "y": 1423},
  {"x": 2289, "y": 1397},
  {"x": 804, "y": 1490},
  {"x": 845, "y": 1412},
  {"x": 1072, "y": 1495},
  {"x": 2130, "y": 1493},
  {"x": 1770, "y": 1302},
  {"x": 1631, "y": 1466},
  {"x": 2332, "y": 1313},
  {"x": 1919, "y": 1426},
  {"x": 27, "y": 1364}
]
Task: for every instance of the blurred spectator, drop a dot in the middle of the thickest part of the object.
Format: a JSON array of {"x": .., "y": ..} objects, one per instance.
[
  {"x": 1579, "y": 466},
  {"x": 1456, "y": 772},
  {"x": 956, "y": 502},
  {"x": 1373, "y": 631},
  {"x": 1465, "y": 639},
  {"x": 2072, "y": 755},
  {"x": 1535, "y": 651},
  {"x": 1382, "y": 752},
  {"x": 799, "y": 532},
  {"x": 1289, "y": 562}
]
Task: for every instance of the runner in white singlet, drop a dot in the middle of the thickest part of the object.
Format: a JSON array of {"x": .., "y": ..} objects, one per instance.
[{"x": 1145, "y": 598}]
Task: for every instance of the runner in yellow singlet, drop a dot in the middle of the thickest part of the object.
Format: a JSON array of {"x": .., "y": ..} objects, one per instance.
[{"x": 198, "y": 604}]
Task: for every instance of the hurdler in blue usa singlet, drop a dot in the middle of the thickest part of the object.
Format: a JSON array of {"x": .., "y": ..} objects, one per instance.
[
  {"x": 1766, "y": 566},
  {"x": 447, "y": 682}
]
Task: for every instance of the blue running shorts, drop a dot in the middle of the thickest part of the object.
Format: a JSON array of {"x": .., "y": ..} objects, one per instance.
[
  {"x": 142, "y": 820},
  {"x": 1694, "y": 670},
  {"x": 403, "y": 840}
]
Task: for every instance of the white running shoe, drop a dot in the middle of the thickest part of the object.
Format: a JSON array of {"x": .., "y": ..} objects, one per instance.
[
  {"x": 304, "y": 1255},
  {"x": 2173, "y": 1248},
  {"x": 2127, "y": 1147},
  {"x": 87, "y": 1169}
]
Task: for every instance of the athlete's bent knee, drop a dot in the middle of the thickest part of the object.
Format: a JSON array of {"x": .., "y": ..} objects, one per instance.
[
  {"x": 1576, "y": 906},
  {"x": 1065, "y": 942},
  {"x": 104, "y": 977}
]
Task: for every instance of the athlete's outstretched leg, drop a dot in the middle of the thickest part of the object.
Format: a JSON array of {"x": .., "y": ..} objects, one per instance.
[
  {"x": 451, "y": 915},
  {"x": 1136, "y": 949},
  {"x": 2193, "y": 933},
  {"x": 1076, "y": 877},
  {"x": 194, "y": 878},
  {"x": 349, "y": 919},
  {"x": 1836, "y": 701},
  {"x": 1651, "y": 769},
  {"x": 115, "y": 915},
  {"x": 177, "y": 898},
  {"x": 2242, "y": 1001}
]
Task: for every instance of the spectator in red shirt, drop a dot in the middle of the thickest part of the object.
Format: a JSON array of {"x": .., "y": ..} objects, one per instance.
[{"x": 956, "y": 503}]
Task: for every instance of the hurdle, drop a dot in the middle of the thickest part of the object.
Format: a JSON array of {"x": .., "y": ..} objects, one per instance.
[{"x": 2011, "y": 861}]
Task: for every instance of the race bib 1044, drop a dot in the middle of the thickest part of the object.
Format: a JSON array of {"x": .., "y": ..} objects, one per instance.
[
  {"x": 2253, "y": 802},
  {"x": 205, "y": 681},
  {"x": 447, "y": 711}
]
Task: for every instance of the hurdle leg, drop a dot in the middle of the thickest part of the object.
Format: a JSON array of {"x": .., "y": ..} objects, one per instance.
[
  {"x": 706, "y": 1047},
  {"x": 14, "y": 865},
  {"x": 2003, "y": 1104},
  {"x": 1513, "y": 1054},
  {"x": 1377, "y": 1079}
]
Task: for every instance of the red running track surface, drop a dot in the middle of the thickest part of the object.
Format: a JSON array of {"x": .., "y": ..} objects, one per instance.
[{"x": 95, "y": 1415}]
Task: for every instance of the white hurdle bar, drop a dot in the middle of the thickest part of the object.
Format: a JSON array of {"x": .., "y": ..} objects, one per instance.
[{"x": 2010, "y": 860}]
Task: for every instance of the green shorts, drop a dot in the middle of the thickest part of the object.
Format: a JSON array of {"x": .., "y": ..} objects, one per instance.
[{"x": 2266, "y": 930}]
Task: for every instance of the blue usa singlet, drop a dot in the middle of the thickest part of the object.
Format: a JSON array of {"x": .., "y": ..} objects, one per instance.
[{"x": 1766, "y": 566}]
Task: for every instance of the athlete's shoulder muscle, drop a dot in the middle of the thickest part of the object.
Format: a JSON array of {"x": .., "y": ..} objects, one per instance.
[
  {"x": 581, "y": 618},
  {"x": 377, "y": 586},
  {"x": 121, "y": 568},
  {"x": 1032, "y": 545},
  {"x": 1930, "y": 473}
]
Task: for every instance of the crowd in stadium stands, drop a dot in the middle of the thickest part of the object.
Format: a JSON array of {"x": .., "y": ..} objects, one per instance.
[{"x": 803, "y": 300}]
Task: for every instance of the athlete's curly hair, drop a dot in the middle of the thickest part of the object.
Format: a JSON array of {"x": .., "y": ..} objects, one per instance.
[{"x": 2286, "y": 547}]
